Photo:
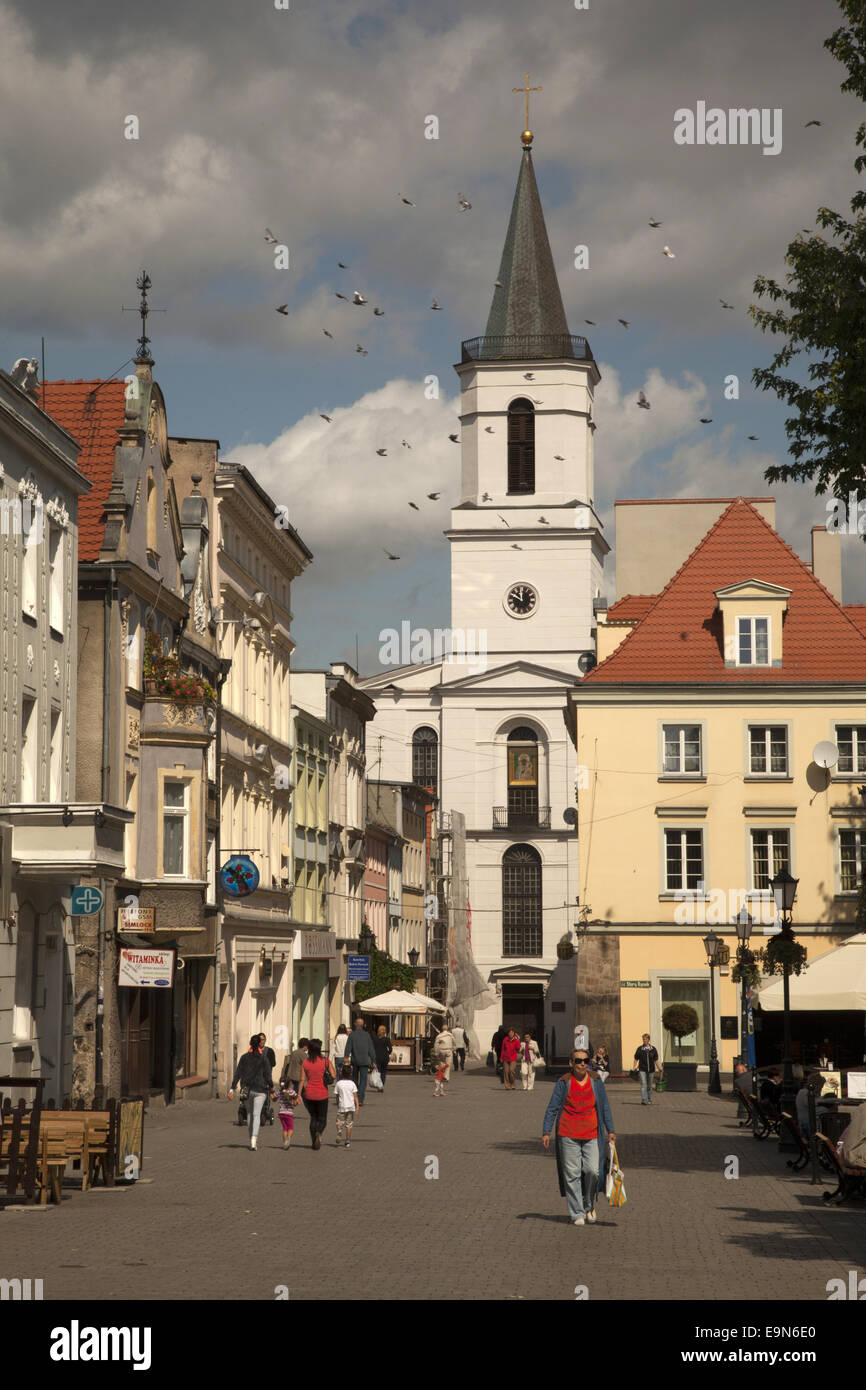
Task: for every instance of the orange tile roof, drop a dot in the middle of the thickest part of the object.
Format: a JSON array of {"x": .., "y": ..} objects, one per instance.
[
  {"x": 680, "y": 637},
  {"x": 857, "y": 613},
  {"x": 92, "y": 412},
  {"x": 630, "y": 608}
]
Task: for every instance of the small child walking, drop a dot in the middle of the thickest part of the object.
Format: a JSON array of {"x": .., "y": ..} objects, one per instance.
[
  {"x": 288, "y": 1101},
  {"x": 439, "y": 1087},
  {"x": 347, "y": 1104}
]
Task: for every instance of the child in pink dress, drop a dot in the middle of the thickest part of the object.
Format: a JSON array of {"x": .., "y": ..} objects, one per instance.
[{"x": 288, "y": 1101}]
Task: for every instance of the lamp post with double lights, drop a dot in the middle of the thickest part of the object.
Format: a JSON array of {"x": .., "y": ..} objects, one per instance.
[
  {"x": 718, "y": 954},
  {"x": 784, "y": 889}
]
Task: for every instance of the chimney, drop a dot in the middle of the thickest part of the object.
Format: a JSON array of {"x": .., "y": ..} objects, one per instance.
[{"x": 827, "y": 560}]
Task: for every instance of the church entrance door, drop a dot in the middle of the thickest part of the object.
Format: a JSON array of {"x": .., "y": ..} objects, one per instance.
[{"x": 523, "y": 1009}]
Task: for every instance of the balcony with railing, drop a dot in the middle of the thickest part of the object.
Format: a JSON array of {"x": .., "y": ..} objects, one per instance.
[
  {"x": 526, "y": 347},
  {"x": 524, "y": 818}
]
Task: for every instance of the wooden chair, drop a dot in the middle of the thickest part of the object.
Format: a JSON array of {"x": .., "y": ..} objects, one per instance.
[
  {"x": 850, "y": 1182},
  {"x": 97, "y": 1149},
  {"x": 53, "y": 1158}
]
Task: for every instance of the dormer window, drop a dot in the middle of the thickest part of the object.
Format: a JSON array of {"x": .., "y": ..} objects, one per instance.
[{"x": 753, "y": 641}]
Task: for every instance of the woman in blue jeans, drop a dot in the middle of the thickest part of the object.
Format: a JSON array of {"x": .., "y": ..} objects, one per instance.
[
  {"x": 254, "y": 1072},
  {"x": 579, "y": 1116}
]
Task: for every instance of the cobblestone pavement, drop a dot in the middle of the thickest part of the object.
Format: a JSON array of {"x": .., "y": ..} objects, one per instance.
[{"x": 212, "y": 1220}]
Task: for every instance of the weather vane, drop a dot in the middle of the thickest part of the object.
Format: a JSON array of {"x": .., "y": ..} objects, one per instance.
[
  {"x": 143, "y": 283},
  {"x": 527, "y": 134}
]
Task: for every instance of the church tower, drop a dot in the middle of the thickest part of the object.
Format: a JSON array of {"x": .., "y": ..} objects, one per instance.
[{"x": 526, "y": 543}]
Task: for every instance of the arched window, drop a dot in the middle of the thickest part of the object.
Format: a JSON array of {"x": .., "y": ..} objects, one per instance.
[
  {"x": 522, "y": 754},
  {"x": 521, "y": 901},
  {"x": 425, "y": 758},
  {"x": 521, "y": 446}
]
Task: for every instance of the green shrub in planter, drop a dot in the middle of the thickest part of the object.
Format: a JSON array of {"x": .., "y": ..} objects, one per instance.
[{"x": 679, "y": 1020}]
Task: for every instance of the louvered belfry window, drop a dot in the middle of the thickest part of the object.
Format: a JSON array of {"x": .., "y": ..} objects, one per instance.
[
  {"x": 425, "y": 758},
  {"x": 521, "y": 446},
  {"x": 521, "y": 902}
]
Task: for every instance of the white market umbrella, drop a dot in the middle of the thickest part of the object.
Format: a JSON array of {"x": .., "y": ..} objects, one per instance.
[
  {"x": 834, "y": 980},
  {"x": 400, "y": 1001}
]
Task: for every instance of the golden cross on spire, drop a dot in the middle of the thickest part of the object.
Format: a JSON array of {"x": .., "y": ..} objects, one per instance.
[{"x": 527, "y": 134}]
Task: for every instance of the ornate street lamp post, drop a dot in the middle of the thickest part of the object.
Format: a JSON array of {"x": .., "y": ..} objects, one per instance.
[
  {"x": 785, "y": 892},
  {"x": 711, "y": 946},
  {"x": 366, "y": 941},
  {"x": 744, "y": 960}
]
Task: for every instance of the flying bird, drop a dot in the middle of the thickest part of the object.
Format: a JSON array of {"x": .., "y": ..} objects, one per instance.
[
  {"x": 434, "y": 305},
  {"x": 671, "y": 255},
  {"x": 753, "y": 436},
  {"x": 454, "y": 439},
  {"x": 497, "y": 284},
  {"x": 380, "y": 313},
  {"x": 624, "y": 322},
  {"x": 269, "y": 237},
  {"x": 808, "y": 123},
  {"x": 327, "y": 334},
  {"x": 529, "y": 376},
  {"x": 559, "y": 458},
  {"x": 591, "y": 322},
  {"x": 363, "y": 351},
  {"x": 358, "y": 298},
  {"x": 282, "y": 308},
  {"x": 464, "y": 206},
  {"x": 407, "y": 201},
  {"x": 390, "y": 556},
  {"x": 488, "y": 429},
  {"x": 434, "y": 496},
  {"x": 342, "y": 267},
  {"x": 725, "y": 304},
  {"x": 337, "y": 295},
  {"x": 706, "y": 419},
  {"x": 485, "y": 497},
  {"x": 543, "y": 521},
  {"x": 502, "y": 519},
  {"x": 654, "y": 222},
  {"x": 325, "y": 417},
  {"x": 642, "y": 401},
  {"x": 414, "y": 506},
  {"x": 406, "y": 444},
  {"x": 515, "y": 546},
  {"x": 383, "y": 453}
]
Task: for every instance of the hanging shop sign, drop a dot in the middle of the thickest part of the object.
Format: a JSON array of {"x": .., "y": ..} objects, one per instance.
[
  {"x": 146, "y": 969},
  {"x": 239, "y": 876},
  {"x": 137, "y": 919}
]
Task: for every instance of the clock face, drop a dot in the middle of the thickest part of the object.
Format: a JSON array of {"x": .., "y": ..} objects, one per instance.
[{"x": 521, "y": 600}]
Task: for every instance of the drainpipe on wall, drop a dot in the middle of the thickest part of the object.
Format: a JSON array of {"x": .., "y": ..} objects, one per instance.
[
  {"x": 225, "y": 667},
  {"x": 99, "y": 1071}
]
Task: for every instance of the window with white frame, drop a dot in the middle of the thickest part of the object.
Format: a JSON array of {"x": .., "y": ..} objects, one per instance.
[
  {"x": 56, "y": 792},
  {"x": 29, "y": 751},
  {"x": 684, "y": 860},
  {"x": 768, "y": 749},
  {"x": 753, "y": 641},
  {"x": 55, "y": 584},
  {"x": 175, "y": 829},
  {"x": 771, "y": 853},
  {"x": 851, "y": 742},
  {"x": 851, "y": 846},
  {"x": 30, "y": 571},
  {"x": 682, "y": 748}
]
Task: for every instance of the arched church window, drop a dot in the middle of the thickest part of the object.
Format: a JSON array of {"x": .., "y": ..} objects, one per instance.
[
  {"x": 521, "y": 446},
  {"x": 425, "y": 758},
  {"x": 521, "y": 902},
  {"x": 522, "y": 755}
]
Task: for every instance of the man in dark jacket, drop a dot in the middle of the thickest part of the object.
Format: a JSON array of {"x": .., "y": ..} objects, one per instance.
[
  {"x": 254, "y": 1072},
  {"x": 646, "y": 1057},
  {"x": 361, "y": 1054},
  {"x": 496, "y": 1046}
]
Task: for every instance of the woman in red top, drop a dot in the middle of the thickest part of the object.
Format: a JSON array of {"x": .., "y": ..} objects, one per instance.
[
  {"x": 314, "y": 1090},
  {"x": 510, "y": 1053}
]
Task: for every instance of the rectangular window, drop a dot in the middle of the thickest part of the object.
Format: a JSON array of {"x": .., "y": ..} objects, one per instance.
[
  {"x": 770, "y": 855},
  {"x": 753, "y": 641},
  {"x": 175, "y": 822},
  {"x": 55, "y": 584},
  {"x": 684, "y": 859},
  {"x": 30, "y": 571},
  {"x": 850, "y": 860},
  {"x": 56, "y": 793},
  {"x": 768, "y": 749},
  {"x": 682, "y": 748},
  {"x": 29, "y": 751},
  {"x": 851, "y": 742}
]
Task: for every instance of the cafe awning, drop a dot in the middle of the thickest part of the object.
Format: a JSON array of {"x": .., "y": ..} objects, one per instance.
[
  {"x": 399, "y": 1001},
  {"x": 832, "y": 981}
]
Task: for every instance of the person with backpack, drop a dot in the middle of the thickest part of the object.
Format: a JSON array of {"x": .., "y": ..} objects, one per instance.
[{"x": 254, "y": 1073}]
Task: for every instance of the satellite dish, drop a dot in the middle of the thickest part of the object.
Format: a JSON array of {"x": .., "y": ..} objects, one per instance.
[
  {"x": 586, "y": 661},
  {"x": 825, "y": 753},
  {"x": 569, "y": 815}
]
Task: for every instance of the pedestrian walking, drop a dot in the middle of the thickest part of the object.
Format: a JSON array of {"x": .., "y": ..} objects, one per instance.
[
  {"x": 383, "y": 1049},
  {"x": 646, "y": 1057},
  {"x": 294, "y": 1064},
  {"x": 496, "y": 1047},
  {"x": 459, "y": 1035},
  {"x": 529, "y": 1055},
  {"x": 288, "y": 1101},
  {"x": 361, "y": 1055},
  {"x": 340, "y": 1040},
  {"x": 253, "y": 1071},
  {"x": 317, "y": 1076},
  {"x": 268, "y": 1051},
  {"x": 579, "y": 1117},
  {"x": 347, "y": 1104},
  {"x": 510, "y": 1054},
  {"x": 443, "y": 1057}
]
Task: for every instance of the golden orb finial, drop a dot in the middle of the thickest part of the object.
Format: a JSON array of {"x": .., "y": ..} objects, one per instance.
[{"x": 527, "y": 139}]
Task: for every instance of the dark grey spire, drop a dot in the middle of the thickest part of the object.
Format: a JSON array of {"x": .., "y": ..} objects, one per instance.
[{"x": 529, "y": 302}]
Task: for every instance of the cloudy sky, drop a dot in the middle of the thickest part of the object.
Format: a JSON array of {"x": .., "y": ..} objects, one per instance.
[{"x": 311, "y": 121}]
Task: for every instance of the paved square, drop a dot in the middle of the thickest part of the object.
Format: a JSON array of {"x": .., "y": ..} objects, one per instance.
[{"x": 216, "y": 1221}]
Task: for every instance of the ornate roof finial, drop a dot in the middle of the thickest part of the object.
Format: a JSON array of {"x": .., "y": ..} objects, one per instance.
[
  {"x": 527, "y": 137},
  {"x": 143, "y": 283}
]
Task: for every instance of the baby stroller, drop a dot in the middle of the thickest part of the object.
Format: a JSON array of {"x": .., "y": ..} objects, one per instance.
[{"x": 267, "y": 1109}]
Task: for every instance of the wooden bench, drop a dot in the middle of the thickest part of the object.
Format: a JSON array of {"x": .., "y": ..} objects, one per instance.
[
  {"x": 18, "y": 1144},
  {"x": 91, "y": 1141},
  {"x": 851, "y": 1182}
]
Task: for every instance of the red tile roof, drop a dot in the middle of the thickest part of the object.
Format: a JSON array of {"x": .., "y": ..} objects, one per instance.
[
  {"x": 857, "y": 613},
  {"x": 680, "y": 638},
  {"x": 92, "y": 412},
  {"x": 630, "y": 608}
]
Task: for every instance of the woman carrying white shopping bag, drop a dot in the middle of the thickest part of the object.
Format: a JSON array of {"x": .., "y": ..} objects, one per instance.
[{"x": 530, "y": 1059}]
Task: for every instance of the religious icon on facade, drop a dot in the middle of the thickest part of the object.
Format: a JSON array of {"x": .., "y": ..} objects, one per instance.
[{"x": 522, "y": 767}]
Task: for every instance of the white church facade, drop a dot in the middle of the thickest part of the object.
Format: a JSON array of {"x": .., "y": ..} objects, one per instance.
[{"x": 485, "y": 727}]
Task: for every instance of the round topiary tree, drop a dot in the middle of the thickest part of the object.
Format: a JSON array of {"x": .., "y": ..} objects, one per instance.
[{"x": 680, "y": 1020}]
